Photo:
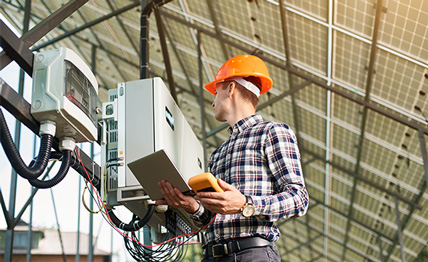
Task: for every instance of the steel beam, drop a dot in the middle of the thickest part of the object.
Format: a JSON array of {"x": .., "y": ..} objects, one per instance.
[
  {"x": 318, "y": 257},
  {"x": 367, "y": 99},
  {"x": 379, "y": 241},
  {"x": 5, "y": 212},
  {"x": 17, "y": 106},
  {"x": 87, "y": 25},
  {"x": 328, "y": 122},
  {"x": 226, "y": 55},
  {"x": 299, "y": 246},
  {"x": 192, "y": 91},
  {"x": 165, "y": 55},
  {"x": 399, "y": 230},
  {"x": 335, "y": 210},
  {"x": 15, "y": 49},
  {"x": 122, "y": 26},
  {"x": 352, "y": 97},
  {"x": 144, "y": 40},
  {"x": 319, "y": 231},
  {"x": 44, "y": 27},
  {"x": 406, "y": 219},
  {"x": 21, "y": 54},
  {"x": 423, "y": 187},
  {"x": 411, "y": 203},
  {"x": 424, "y": 154},
  {"x": 201, "y": 101}
]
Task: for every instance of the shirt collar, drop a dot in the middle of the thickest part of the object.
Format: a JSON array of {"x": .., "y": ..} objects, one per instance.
[{"x": 244, "y": 123}]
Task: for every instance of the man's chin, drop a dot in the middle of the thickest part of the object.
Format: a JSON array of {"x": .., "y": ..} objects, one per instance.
[{"x": 220, "y": 119}]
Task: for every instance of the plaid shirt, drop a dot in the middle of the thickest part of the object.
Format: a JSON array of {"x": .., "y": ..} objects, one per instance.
[{"x": 260, "y": 159}]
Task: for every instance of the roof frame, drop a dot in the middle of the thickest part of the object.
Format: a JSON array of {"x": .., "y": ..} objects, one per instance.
[
  {"x": 368, "y": 182},
  {"x": 372, "y": 105},
  {"x": 353, "y": 249},
  {"x": 372, "y": 61},
  {"x": 307, "y": 243},
  {"x": 186, "y": 73},
  {"x": 366, "y": 102},
  {"x": 217, "y": 28},
  {"x": 165, "y": 54},
  {"x": 45, "y": 26},
  {"x": 86, "y": 25},
  {"x": 293, "y": 98}
]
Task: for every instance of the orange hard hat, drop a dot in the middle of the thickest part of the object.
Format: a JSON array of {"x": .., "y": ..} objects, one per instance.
[{"x": 242, "y": 66}]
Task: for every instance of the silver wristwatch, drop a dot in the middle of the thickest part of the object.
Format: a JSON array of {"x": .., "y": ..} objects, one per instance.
[{"x": 248, "y": 209}]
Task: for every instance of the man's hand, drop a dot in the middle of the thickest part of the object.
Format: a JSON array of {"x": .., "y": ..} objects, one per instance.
[
  {"x": 228, "y": 202},
  {"x": 174, "y": 198}
]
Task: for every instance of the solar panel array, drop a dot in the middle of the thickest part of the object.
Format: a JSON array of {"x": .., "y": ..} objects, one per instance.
[{"x": 359, "y": 89}]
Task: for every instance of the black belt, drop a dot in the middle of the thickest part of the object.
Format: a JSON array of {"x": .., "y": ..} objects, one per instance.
[{"x": 235, "y": 245}]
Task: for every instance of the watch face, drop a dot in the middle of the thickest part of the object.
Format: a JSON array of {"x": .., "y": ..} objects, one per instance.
[{"x": 248, "y": 210}]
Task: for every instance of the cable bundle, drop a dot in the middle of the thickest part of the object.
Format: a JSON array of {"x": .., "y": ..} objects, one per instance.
[
  {"x": 172, "y": 249},
  {"x": 179, "y": 234}
]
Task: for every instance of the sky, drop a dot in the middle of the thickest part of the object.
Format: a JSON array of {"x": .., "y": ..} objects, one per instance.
[{"x": 66, "y": 194}]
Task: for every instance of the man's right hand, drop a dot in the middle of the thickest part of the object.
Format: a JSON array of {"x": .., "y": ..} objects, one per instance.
[{"x": 174, "y": 198}]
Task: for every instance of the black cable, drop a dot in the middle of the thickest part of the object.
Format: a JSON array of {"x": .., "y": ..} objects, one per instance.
[
  {"x": 65, "y": 166},
  {"x": 12, "y": 153},
  {"x": 134, "y": 226},
  {"x": 173, "y": 250}
]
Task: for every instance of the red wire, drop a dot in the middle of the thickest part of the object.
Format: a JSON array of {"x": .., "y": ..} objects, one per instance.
[{"x": 118, "y": 230}]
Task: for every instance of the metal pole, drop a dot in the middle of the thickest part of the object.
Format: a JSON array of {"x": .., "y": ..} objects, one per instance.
[
  {"x": 165, "y": 55},
  {"x": 424, "y": 153},
  {"x": 380, "y": 248},
  {"x": 91, "y": 226},
  {"x": 85, "y": 26},
  {"x": 43, "y": 28},
  {"x": 13, "y": 179},
  {"x": 91, "y": 201},
  {"x": 201, "y": 100},
  {"x": 400, "y": 236},
  {"x": 78, "y": 221},
  {"x": 144, "y": 42},
  {"x": 57, "y": 224}
]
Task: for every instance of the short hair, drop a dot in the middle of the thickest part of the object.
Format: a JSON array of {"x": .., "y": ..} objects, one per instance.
[{"x": 246, "y": 94}]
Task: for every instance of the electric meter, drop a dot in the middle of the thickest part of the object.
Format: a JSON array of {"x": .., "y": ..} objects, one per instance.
[{"x": 65, "y": 91}]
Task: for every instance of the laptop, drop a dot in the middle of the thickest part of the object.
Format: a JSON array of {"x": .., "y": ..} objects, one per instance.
[{"x": 151, "y": 169}]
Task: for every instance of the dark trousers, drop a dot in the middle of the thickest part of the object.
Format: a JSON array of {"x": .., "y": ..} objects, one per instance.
[{"x": 257, "y": 254}]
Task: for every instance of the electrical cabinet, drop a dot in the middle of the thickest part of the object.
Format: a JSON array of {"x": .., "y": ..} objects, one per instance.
[{"x": 141, "y": 118}]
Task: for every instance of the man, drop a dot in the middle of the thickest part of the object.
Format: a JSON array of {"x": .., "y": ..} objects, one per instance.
[{"x": 258, "y": 168}]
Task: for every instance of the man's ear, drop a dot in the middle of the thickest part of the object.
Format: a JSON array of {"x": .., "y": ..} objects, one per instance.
[{"x": 231, "y": 88}]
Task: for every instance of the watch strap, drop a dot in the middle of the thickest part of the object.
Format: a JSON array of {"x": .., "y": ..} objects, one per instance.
[{"x": 249, "y": 200}]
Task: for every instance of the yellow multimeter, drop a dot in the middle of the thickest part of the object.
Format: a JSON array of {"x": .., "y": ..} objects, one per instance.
[{"x": 204, "y": 182}]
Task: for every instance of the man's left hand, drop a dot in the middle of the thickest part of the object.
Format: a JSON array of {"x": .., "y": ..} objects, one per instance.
[{"x": 228, "y": 202}]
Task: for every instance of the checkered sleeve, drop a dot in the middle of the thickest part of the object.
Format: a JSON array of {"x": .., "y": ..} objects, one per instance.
[{"x": 289, "y": 198}]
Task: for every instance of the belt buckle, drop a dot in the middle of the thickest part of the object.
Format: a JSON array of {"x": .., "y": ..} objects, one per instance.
[{"x": 218, "y": 248}]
